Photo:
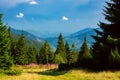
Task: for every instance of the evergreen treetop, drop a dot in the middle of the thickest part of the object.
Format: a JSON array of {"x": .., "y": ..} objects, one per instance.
[
  {"x": 109, "y": 37},
  {"x": 21, "y": 55},
  {"x": 61, "y": 49},
  {"x": 5, "y": 60}
]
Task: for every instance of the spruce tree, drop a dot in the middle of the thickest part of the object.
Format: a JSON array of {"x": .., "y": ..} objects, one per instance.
[
  {"x": 114, "y": 59},
  {"x": 45, "y": 55},
  {"x": 61, "y": 49},
  {"x": 21, "y": 52},
  {"x": 41, "y": 56},
  {"x": 102, "y": 48},
  {"x": 67, "y": 49},
  {"x": 13, "y": 51},
  {"x": 49, "y": 54},
  {"x": 74, "y": 54},
  {"x": 31, "y": 55},
  {"x": 5, "y": 60},
  {"x": 35, "y": 51},
  {"x": 84, "y": 56},
  {"x": 10, "y": 38}
]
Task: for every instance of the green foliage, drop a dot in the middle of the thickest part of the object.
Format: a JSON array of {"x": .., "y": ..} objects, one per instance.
[
  {"x": 1, "y": 71},
  {"x": 10, "y": 38},
  {"x": 35, "y": 51},
  {"x": 5, "y": 60},
  {"x": 61, "y": 48},
  {"x": 67, "y": 50},
  {"x": 74, "y": 54},
  {"x": 13, "y": 72},
  {"x": 109, "y": 37},
  {"x": 31, "y": 55},
  {"x": 13, "y": 51},
  {"x": 21, "y": 54},
  {"x": 58, "y": 59},
  {"x": 45, "y": 55},
  {"x": 114, "y": 59},
  {"x": 84, "y": 57}
]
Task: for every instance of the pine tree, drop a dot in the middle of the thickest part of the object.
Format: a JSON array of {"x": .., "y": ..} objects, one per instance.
[
  {"x": 74, "y": 54},
  {"x": 13, "y": 51},
  {"x": 45, "y": 55},
  {"x": 49, "y": 54},
  {"x": 84, "y": 56},
  {"x": 10, "y": 38},
  {"x": 102, "y": 47},
  {"x": 67, "y": 49},
  {"x": 41, "y": 56},
  {"x": 35, "y": 51},
  {"x": 31, "y": 55},
  {"x": 61, "y": 49},
  {"x": 114, "y": 59},
  {"x": 5, "y": 60},
  {"x": 21, "y": 52}
]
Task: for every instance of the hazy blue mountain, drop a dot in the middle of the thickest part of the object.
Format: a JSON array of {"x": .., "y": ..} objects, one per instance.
[
  {"x": 31, "y": 39},
  {"x": 46, "y": 34},
  {"x": 76, "y": 38}
]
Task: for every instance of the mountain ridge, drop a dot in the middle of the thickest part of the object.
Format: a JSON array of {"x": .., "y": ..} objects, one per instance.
[
  {"x": 31, "y": 40},
  {"x": 76, "y": 38}
]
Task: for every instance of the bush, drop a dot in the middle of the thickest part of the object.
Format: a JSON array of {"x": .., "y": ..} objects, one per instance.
[
  {"x": 1, "y": 71},
  {"x": 13, "y": 72}
]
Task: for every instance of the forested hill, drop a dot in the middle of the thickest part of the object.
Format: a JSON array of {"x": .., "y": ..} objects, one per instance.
[
  {"x": 31, "y": 40},
  {"x": 76, "y": 37}
]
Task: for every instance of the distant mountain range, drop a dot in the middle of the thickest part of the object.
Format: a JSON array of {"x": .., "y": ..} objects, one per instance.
[
  {"x": 46, "y": 34},
  {"x": 76, "y": 38},
  {"x": 31, "y": 40}
]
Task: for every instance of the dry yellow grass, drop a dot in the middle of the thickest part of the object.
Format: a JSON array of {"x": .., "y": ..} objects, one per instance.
[{"x": 43, "y": 74}]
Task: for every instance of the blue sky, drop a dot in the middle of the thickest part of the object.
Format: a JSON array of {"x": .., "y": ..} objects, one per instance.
[{"x": 65, "y": 16}]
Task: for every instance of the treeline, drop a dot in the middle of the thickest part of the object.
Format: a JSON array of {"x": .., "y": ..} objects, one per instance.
[
  {"x": 103, "y": 55},
  {"x": 105, "y": 51}
]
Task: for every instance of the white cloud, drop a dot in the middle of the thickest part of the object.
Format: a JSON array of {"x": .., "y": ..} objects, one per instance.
[
  {"x": 33, "y": 2},
  {"x": 9, "y": 3},
  {"x": 13, "y": 3},
  {"x": 64, "y": 18},
  {"x": 20, "y": 15}
]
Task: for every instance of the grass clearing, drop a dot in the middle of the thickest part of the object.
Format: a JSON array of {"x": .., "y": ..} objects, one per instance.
[{"x": 46, "y": 74}]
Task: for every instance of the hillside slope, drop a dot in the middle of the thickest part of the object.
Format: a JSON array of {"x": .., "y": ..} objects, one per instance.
[{"x": 31, "y": 40}]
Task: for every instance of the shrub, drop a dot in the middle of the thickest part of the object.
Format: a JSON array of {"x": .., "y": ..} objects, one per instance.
[
  {"x": 13, "y": 72},
  {"x": 1, "y": 71}
]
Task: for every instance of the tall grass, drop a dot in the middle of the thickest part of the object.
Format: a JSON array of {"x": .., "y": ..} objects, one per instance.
[{"x": 44, "y": 74}]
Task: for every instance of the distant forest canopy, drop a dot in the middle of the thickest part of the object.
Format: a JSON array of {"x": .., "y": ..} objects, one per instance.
[{"x": 103, "y": 55}]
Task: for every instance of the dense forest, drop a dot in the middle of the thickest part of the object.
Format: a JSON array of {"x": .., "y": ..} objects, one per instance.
[{"x": 103, "y": 55}]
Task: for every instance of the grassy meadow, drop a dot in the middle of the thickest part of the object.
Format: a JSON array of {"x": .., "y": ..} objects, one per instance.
[{"x": 53, "y": 74}]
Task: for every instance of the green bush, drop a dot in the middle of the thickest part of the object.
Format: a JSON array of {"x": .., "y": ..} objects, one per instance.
[
  {"x": 13, "y": 72},
  {"x": 1, "y": 71}
]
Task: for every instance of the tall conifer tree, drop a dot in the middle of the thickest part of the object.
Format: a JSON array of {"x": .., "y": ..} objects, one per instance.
[
  {"x": 114, "y": 59},
  {"x": 67, "y": 50},
  {"x": 10, "y": 38},
  {"x": 74, "y": 54},
  {"x": 102, "y": 47},
  {"x": 21, "y": 52},
  {"x": 61, "y": 49},
  {"x": 84, "y": 56},
  {"x": 45, "y": 55},
  {"x": 31, "y": 55},
  {"x": 5, "y": 60}
]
